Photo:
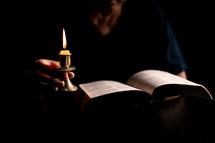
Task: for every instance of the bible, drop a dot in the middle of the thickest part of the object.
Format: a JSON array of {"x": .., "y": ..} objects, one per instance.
[{"x": 141, "y": 88}]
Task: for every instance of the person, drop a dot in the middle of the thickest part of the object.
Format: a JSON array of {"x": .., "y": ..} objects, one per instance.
[
  {"x": 108, "y": 39},
  {"x": 113, "y": 39}
]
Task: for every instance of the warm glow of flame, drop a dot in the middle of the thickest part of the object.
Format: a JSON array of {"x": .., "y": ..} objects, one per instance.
[{"x": 64, "y": 39}]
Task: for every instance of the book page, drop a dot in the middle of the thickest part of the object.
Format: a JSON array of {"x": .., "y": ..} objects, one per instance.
[
  {"x": 148, "y": 80},
  {"x": 98, "y": 88}
]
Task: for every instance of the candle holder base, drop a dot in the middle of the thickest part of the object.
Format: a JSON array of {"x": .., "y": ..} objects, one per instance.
[{"x": 69, "y": 86}]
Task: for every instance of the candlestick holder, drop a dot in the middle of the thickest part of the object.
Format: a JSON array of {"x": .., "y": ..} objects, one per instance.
[{"x": 65, "y": 62}]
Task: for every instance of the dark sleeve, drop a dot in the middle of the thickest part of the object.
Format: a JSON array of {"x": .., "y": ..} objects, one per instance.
[
  {"x": 175, "y": 60},
  {"x": 174, "y": 55}
]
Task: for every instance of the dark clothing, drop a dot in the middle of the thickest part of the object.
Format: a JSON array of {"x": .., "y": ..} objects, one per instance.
[{"x": 143, "y": 39}]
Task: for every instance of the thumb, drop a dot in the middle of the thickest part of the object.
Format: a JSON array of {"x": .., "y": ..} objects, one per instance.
[
  {"x": 54, "y": 64},
  {"x": 71, "y": 74}
]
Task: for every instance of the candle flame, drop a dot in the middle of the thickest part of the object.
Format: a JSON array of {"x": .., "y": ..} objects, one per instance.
[{"x": 64, "y": 39}]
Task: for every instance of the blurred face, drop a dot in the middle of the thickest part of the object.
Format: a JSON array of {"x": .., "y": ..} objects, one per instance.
[{"x": 108, "y": 2}]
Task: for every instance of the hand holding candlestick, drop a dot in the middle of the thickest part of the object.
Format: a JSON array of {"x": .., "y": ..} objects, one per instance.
[{"x": 65, "y": 62}]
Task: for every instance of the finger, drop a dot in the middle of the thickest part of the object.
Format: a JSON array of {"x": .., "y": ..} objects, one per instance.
[
  {"x": 42, "y": 77},
  {"x": 71, "y": 74},
  {"x": 47, "y": 66},
  {"x": 55, "y": 88},
  {"x": 65, "y": 75},
  {"x": 47, "y": 86}
]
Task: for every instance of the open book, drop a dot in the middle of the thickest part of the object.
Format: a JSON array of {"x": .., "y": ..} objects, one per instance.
[{"x": 141, "y": 88}]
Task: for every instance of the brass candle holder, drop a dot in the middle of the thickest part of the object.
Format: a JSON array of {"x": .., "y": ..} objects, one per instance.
[{"x": 65, "y": 62}]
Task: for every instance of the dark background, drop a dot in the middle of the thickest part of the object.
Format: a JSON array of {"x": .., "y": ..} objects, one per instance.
[{"x": 193, "y": 25}]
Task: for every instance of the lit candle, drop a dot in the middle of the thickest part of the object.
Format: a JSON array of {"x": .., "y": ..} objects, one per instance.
[
  {"x": 64, "y": 52},
  {"x": 65, "y": 62}
]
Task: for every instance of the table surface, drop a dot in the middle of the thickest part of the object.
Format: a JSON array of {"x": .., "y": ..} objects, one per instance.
[{"x": 184, "y": 118}]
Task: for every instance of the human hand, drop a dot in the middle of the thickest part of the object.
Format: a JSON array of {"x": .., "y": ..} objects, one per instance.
[{"x": 46, "y": 74}]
